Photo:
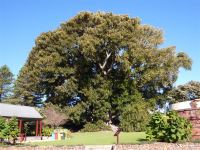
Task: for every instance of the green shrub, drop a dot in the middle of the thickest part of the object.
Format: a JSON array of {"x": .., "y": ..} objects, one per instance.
[
  {"x": 2, "y": 126},
  {"x": 46, "y": 131},
  {"x": 2, "y": 123},
  {"x": 27, "y": 129},
  {"x": 9, "y": 129},
  {"x": 134, "y": 117},
  {"x": 102, "y": 126},
  {"x": 98, "y": 126},
  {"x": 13, "y": 129},
  {"x": 89, "y": 127},
  {"x": 168, "y": 128}
]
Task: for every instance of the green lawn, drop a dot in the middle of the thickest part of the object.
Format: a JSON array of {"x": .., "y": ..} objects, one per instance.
[{"x": 96, "y": 138}]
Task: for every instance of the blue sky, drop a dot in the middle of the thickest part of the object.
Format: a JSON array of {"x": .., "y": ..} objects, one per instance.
[{"x": 21, "y": 21}]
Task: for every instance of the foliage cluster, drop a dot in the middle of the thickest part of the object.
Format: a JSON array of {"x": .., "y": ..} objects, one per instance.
[
  {"x": 134, "y": 117},
  {"x": 9, "y": 129},
  {"x": 98, "y": 126},
  {"x": 6, "y": 80},
  {"x": 46, "y": 131},
  {"x": 188, "y": 91},
  {"x": 168, "y": 128}
]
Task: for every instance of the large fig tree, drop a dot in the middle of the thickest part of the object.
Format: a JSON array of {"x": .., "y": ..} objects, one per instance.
[{"x": 98, "y": 61}]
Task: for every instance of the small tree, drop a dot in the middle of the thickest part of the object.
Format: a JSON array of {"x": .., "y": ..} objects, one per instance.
[
  {"x": 6, "y": 80},
  {"x": 53, "y": 116},
  {"x": 9, "y": 129},
  {"x": 13, "y": 129}
]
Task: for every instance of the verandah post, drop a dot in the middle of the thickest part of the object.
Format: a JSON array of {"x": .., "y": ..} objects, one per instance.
[
  {"x": 20, "y": 129},
  {"x": 41, "y": 129},
  {"x": 36, "y": 129}
]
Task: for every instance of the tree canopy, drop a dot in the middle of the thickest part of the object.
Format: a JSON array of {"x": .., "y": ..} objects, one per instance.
[
  {"x": 98, "y": 62},
  {"x": 6, "y": 80},
  {"x": 185, "y": 92}
]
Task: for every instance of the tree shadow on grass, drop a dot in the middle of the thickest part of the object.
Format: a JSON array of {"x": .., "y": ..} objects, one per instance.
[{"x": 144, "y": 141}]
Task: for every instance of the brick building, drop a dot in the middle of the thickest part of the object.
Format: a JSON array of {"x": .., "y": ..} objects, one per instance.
[{"x": 191, "y": 111}]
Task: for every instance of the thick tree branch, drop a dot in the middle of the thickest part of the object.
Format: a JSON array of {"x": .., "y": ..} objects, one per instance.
[
  {"x": 110, "y": 68},
  {"x": 105, "y": 61}
]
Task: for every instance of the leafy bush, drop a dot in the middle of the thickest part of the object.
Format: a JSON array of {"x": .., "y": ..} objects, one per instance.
[
  {"x": 134, "y": 117},
  {"x": 9, "y": 129},
  {"x": 102, "y": 126},
  {"x": 46, "y": 131},
  {"x": 168, "y": 128},
  {"x": 13, "y": 129},
  {"x": 98, "y": 126},
  {"x": 2, "y": 126},
  {"x": 89, "y": 127}
]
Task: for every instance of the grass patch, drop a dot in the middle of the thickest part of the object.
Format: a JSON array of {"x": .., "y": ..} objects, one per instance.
[
  {"x": 5, "y": 145},
  {"x": 195, "y": 141},
  {"x": 95, "y": 138}
]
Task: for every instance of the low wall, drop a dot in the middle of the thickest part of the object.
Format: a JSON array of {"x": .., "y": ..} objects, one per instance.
[
  {"x": 43, "y": 148},
  {"x": 158, "y": 146},
  {"x": 152, "y": 146}
]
